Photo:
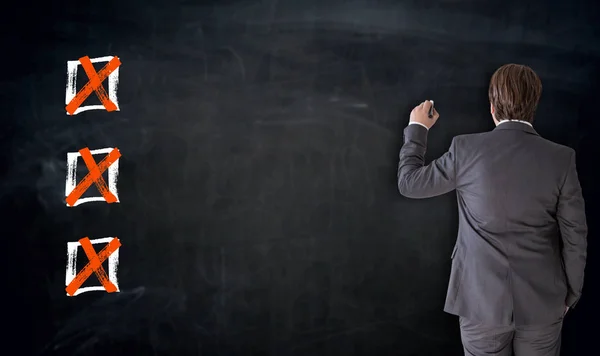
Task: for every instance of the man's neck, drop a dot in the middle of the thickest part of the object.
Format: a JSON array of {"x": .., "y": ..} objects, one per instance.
[{"x": 520, "y": 121}]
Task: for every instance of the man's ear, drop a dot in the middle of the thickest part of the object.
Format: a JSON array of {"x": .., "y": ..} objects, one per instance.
[{"x": 492, "y": 111}]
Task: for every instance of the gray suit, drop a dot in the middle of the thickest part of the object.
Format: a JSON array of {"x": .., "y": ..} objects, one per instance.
[{"x": 521, "y": 249}]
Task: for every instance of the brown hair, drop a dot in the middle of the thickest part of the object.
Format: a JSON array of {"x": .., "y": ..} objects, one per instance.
[{"x": 515, "y": 91}]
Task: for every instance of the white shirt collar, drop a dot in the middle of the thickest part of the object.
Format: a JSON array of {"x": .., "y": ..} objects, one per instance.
[{"x": 521, "y": 121}]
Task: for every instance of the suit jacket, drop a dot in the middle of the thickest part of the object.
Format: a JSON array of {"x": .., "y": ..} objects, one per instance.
[{"x": 521, "y": 248}]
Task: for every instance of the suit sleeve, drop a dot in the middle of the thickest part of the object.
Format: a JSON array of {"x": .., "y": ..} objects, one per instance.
[
  {"x": 573, "y": 229},
  {"x": 415, "y": 179}
]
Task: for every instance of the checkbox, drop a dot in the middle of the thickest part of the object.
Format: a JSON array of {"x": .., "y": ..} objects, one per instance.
[
  {"x": 74, "y": 190},
  {"x": 109, "y": 101},
  {"x": 74, "y": 280}
]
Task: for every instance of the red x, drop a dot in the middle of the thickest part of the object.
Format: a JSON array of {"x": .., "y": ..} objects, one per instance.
[
  {"x": 94, "y": 176},
  {"x": 94, "y": 266},
  {"x": 95, "y": 84}
]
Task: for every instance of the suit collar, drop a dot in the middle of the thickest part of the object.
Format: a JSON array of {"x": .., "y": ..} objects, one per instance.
[{"x": 513, "y": 125}]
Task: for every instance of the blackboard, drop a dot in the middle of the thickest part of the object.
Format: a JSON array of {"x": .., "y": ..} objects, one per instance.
[{"x": 258, "y": 211}]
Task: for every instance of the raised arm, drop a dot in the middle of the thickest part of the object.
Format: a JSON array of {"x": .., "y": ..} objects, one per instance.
[{"x": 415, "y": 180}]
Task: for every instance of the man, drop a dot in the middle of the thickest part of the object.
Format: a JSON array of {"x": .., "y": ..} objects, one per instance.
[{"x": 519, "y": 258}]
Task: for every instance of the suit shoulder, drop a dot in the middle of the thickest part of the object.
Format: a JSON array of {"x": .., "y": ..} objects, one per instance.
[
  {"x": 468, "y": 137},
  {"x": 557, "y": 149},
  {"x": 561, "y": 148}
]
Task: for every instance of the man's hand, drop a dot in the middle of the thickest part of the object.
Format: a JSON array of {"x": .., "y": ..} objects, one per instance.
[{"x": 420, "y": 114}]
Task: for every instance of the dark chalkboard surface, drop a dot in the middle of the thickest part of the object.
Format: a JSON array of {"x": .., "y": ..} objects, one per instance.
[{"x": 257, "y": 211}]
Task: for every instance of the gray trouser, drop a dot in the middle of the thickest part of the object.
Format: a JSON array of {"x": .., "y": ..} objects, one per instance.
[{"x": 539, "y": 340}]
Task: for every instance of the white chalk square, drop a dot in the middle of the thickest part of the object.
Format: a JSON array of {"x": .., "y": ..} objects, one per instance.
[
  {"x": 113, "y": 264},
  {"x": 113, "y": 173},
  {"x": 71, "y": 92}
]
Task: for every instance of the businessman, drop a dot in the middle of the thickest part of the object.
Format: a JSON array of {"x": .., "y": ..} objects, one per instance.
[{"x": 519, "y": 259}]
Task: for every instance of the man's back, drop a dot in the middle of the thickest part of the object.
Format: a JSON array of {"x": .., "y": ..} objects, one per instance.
[
  {"x": 507, "y": 260},
  {"x": 520, "y": 255}
]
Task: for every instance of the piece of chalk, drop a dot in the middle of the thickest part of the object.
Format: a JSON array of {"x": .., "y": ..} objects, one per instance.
[{"x": 431, "y": 110}]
